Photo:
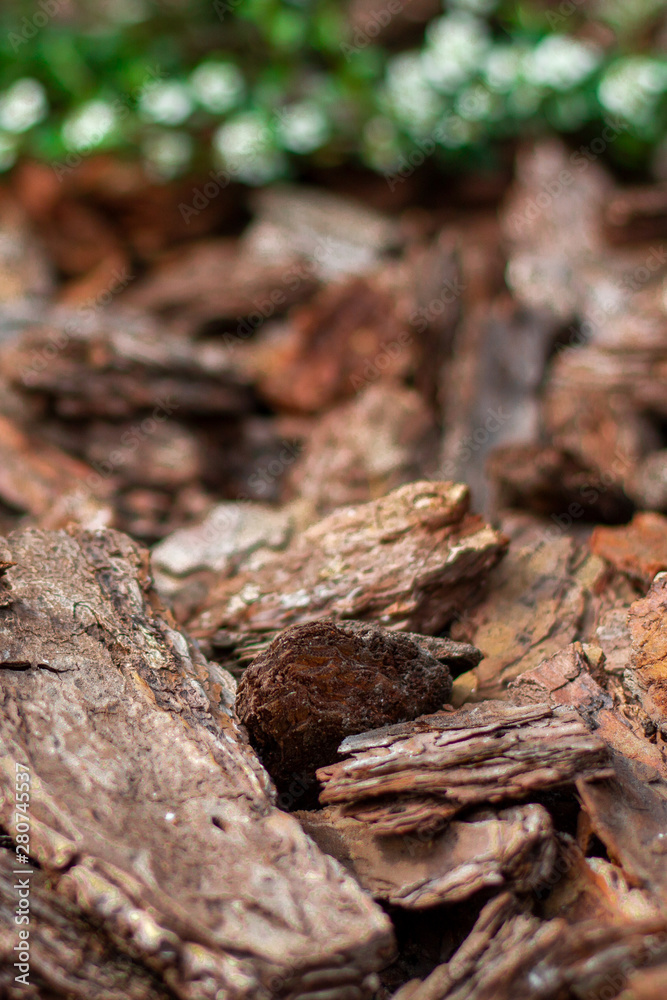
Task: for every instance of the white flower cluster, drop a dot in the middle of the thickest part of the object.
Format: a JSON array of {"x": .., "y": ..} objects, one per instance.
[
  {"x": 409, "y": 94},
  {"x": 632, "y": 87},
  {"x": 560, "y": 62},
  {"x": 89, "y": 125},
  {"x": 467, "y": 83},
  {"x": 166, "y": 103},
  {"x": 464, "y": 77},
  {"x": 246, "y": 148},
  {"x": 456, "y": 44},
  {"x": 23, "y": 105},
  {"x": 302, "y": 127},
  {"x": 218, "y": 86}
]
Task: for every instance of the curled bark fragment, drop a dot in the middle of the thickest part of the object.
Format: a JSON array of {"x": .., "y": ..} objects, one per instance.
[
  {"x": 511, "y": 848},
  {"x": 414, "y": 775}
]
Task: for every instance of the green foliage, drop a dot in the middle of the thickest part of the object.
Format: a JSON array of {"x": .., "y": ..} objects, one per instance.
[{"x": 255, "y": 87}]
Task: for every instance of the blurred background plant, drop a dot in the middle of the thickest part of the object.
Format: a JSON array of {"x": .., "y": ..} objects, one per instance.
[{"x": 264, "y": 88}]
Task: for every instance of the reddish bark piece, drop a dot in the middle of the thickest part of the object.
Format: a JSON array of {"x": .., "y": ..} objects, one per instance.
[
  {"x": 365, "y": 447},
  {"x": 628, "y": 812},
  {"x": 572, "y": 678},
  {"x": 488, "y": 850},
  {"x": 638, "y": 549},
  {"x": 604, "y": 429},
  {"x": 318, "y": 683},
  {"x": 535, "y": 603},
  {"x": 583, "y": 888},
  {"x": 53, "y": 487},
  {"x": 510, "y": 953},
  {"x": 411, "y": 560},
  {"x": 648, "y": 670},
  {"x": 552, "y": 481},
  {"x": 648, "y": 984},
  {"x": 410, "y": 776},
  {"x": 98, "y": 367},
  {"x": 636, "y": 214},
  {"x": 68, "y": 956},
  {"x": 336, "y": 342},
  {"x": 215, "y": 279}
]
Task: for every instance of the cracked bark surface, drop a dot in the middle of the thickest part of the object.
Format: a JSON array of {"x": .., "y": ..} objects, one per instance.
[
  {"x": 149, "y": 810},
  {"x": 418, "y": 774},
  {"x": 411, "y": 561},
  {"x": 69, "y": 956},
  {"x": 512, "y": 954},
  {"x": 512, "y": 847}
]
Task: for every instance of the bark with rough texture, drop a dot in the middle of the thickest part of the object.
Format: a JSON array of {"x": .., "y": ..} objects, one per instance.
[
  {"x": 113, "y": 369},
  {"x": 411, "y": 560},
  {"x": 638, "y": 549},
  {"x": 148, "y": 808},
  {"x": 407, "y": 777},
  {"x": 628, "y": 812},
  {"x": 512, "y": 955},
  {"x": 512, "y": 848},
  {"x": 41, "y": 480},
  {"x": 68, "y": 955},
  {"x": 574, "y": 677},
  {"x": 536, "y": 602},
  {"x": 365, "y": 447},
  {"x": 647, "y": 672}
]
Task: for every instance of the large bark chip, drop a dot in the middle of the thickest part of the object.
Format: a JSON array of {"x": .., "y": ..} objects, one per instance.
[{"x": 147, "y": 806}]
